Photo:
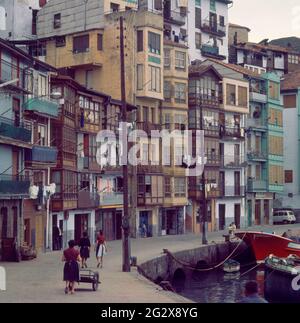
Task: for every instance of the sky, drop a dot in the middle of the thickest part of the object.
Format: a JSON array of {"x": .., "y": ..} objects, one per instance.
[{"x": 267, "y": 18}]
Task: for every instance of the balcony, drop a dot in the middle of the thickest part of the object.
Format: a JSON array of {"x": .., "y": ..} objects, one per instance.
[
  {"x": 148, "y": 127},
  {"x": 204, "y": 100},
  {"x": 254, "y": 62},
  {"x": 258, "y": 96},
  {"x": 149, "y": 169},
  {"x": 10, "y": 72},
  {"x": 174, "y": 17},
  {"x": 257, "y": 124},
  {"x": 232, "y": 191},
  {"x": 43, "y": 106},
  {"x": 212, "y": 28},
  {"x": 232, "y": 133},
  {"x": 40, "y": 154},
  {"x": 257, "y": 156},
  {"x": 14, "y": 185},
  {"x": 211, "y": 51},
  {"x": 111, "y": 199},
  {"x": 256, "y": 186},
  {"x": 233, "y": 162},
  {"x": 13, "y": 130},
  {"x": 212, "y": 191},
  {"x": 88, "y": 200}
]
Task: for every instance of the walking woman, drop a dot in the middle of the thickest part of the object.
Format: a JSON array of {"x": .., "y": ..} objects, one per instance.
[
  {"x": 100, "y": 249},
  {"x": 71, "y": 257},
  {"x": 84, "y": 245}
]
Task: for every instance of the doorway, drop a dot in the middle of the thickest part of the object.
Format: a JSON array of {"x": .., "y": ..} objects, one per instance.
[
  {"x": 27, "y": 231},
  {"x": 222, "y": 221},
  {"x": 257, "y": 212},
  {"x": 81, "y": 225},
  {"x": 119, "y": 215},
  {"x": 266, "y": 212},
  {"x": 237, "y": 215}
]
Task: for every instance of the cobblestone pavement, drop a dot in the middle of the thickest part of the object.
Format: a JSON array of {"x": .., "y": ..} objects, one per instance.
[{"x": 40, "y": 280}]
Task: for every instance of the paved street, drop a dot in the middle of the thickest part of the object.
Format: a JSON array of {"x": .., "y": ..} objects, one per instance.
[{"x": 41, "y": 280}]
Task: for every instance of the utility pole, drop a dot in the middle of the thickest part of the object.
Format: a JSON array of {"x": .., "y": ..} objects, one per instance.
[
  {"x": 125, "y": 222},
  {"x": 203, "y": 184}
]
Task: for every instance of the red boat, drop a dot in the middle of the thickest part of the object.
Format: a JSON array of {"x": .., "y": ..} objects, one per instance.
[{"x": 265, "y": 244}]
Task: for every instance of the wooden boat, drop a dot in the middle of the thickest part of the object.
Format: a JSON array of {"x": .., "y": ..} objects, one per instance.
[
  {"x": 282, "y": 279},
  {"x": 231, "y": 266},
  {"x": 264, "y": 244}
]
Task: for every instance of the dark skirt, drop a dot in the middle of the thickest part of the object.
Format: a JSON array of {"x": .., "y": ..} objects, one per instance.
[
  {"x": 71, "y": 271},
  {"x": 84, "y": 252}
]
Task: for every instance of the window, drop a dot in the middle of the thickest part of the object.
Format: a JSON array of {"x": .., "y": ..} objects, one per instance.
[
  {"x": 154, "y": 43},
  {"x": 81, "y": 44},
  {"x": 243, "y": 96},
  {"x": 275, "y": 117},
  {"x": 213, "y": 5},
  {"x": 60, "y": 41},
  {"x": 222, "y": 21},
  {"x": 42, "y": 132},
  {"x": 57, "y": 21},
  {"x": 114, "y": 7},
  {"x": 198, "y": 18},
  {"x": 274, "y": 90},
  {"x": 100, "y": 42},
  {"x": 34, "y": 20},
  {"x": 275, "y": 175},
  {"x": 180, "y": 92},
  {"x": 145, "y": 114},
  {"x": 168, "y": 120},
  {"x": 231, "y": 95},
  {"x": 140, "y": 41},
  {"x": 288, "y": 176},
  {"x": 167, "y": 58},
  {"x": 180, "y": 60},
  {"x": 153, "y": 115},
  {"x": 180, "y": 186},
  {"x": 145, "y": 154},
  {"x": 290, "y": 101},
  {"x": 140, "y": 76},
  {"x": 167, "y": 90},
  {"x": 168, "y": 188},
  {"x": 42, "y": 85},
  {"x": 155, "y": 79},
  {"x": 293, "y": 59},
  {"x": 275, "y": 145},
  {"x": 198, "y": 40}
]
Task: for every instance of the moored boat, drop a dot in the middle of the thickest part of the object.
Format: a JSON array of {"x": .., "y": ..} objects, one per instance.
[
  {"x": 264, "y": 244},
  {"x": 282, "y": 278}
]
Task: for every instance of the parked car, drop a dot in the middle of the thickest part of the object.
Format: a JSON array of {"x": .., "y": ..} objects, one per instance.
[{"x": 284, "y": 216}]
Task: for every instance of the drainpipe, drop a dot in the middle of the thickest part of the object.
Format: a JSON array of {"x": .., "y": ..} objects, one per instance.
[{"x": 48, "y": 215}]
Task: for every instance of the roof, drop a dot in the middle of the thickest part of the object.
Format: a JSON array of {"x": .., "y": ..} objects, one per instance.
[
  {"x": 19, "y": 52},
  {"x": 260, "y": 48},
  {"x": 236, "y": 68},
  {"x": 291, "y": 81},
  {"x": 239, "y": 26},
  {"x": 201, "y": 69}
]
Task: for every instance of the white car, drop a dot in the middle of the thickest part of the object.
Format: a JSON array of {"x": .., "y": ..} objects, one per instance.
[{"x": 284, "y": 216}]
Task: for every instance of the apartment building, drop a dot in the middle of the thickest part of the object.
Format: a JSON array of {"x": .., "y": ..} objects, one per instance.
[
  {"x": 207, "y": 29},
  {"x": 290, "y": 87},
  {"x": 205, "y": 96}
]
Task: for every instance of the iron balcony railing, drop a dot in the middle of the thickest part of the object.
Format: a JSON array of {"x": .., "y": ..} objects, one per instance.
[
  {"x": 254, "y": 185},
  {"x": 232, "y": 132},
  {"x": 113, "y": 198},
  {"x": 234, "y": 161},
  {"x": 14, "y": 185},
  {"x": 232, "y": 190},
  {"x": 15, "y": 129},
  {"x": 212, "y": 27},
  {"x": 257, "y": 155},
  {"x": 88, "y": 199},
  {"x": 9, "y": 72},
  {"x": 174, "y": 17},
  {"x": 41, "y": 154}
]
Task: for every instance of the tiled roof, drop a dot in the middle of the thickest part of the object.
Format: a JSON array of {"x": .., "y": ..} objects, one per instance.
[
  {"x": 291, "y": 81},
  {"x": 236, "y": 68},
  {"x": 260, "y": 48},
  {"x": 239, "y": 26}
]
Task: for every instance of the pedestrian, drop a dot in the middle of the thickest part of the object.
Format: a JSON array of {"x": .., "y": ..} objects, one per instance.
[
  {"x": 101, "y": 249},
  {"x": 55, "y": 233},
  {"x": 251, "y": 294},
  {"x": 145, "y": 230},
  {"x": 71, "y": 257},
  {"x": 231, "y": 230},
  {"x": 84, "y": 245}
]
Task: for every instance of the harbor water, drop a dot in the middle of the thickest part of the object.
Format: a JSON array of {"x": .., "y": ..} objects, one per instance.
[{"x": 220, "y": 287}]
